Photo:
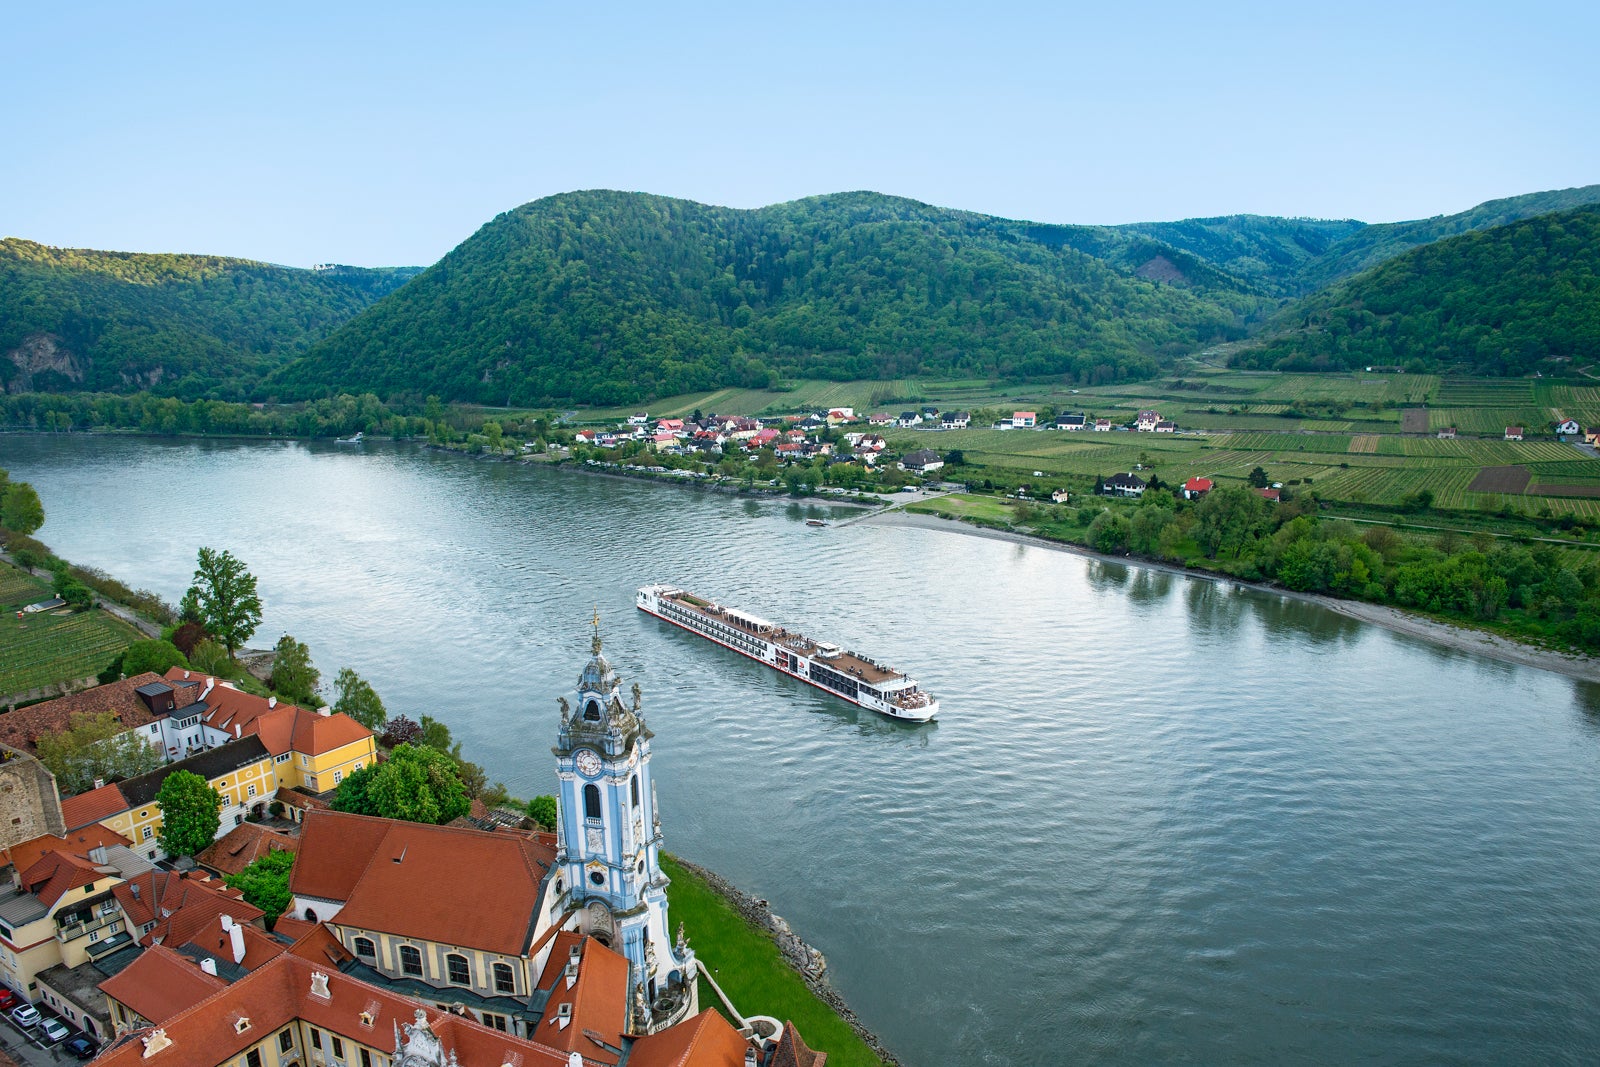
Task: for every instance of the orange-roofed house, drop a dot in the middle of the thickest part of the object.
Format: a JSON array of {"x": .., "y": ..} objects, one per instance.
[{"x": 1195, "y": 488}]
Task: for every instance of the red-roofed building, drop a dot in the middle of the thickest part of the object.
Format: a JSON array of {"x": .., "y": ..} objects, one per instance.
[
  {"x": 1195, "y": 488},
  {"x": 1273, "y": 495},
  {"x": 22, "y": 728},
  {"x": 242, "y": 846}
]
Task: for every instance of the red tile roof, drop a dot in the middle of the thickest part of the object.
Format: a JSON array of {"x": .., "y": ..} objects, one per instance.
[
  {"x": 281, "y": 727},
  {"x": 707, "y": 1040},
  {"x": 179, "y": 905},
  {"x": 597, "y": 999},
  {"x": 492, "y": 909},
  {"x": 55, "y": 873},
  {"x": 21, "y": 728},
  {"x": 86, "y": 809},
  {"x": 242, "y": 846},
  {"x": 206, "y": 1033},
  {"x": 1198, "y": 485},
  {"x": 78, "y": 842},
  {"x": 160, "y": 984},
  {"x": 792, "y": 1052},
  {"x": 260, "y": 947}
]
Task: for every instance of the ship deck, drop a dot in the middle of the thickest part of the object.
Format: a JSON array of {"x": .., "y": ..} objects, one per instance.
[{"x": 844, "y": 662}]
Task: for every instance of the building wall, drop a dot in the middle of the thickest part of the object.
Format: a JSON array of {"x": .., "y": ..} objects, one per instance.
[
  {"x": 435, "y": 967},
  {"x": 30, "y": 805}
]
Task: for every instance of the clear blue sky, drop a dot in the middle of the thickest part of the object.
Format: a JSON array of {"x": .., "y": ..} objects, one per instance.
[{"x": 385, "y": 134}]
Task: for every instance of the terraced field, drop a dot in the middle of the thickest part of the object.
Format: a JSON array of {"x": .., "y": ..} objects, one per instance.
[{"x": 42, "y": 649}]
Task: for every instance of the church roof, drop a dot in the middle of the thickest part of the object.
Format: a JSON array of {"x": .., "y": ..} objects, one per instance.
[{"x": 707, "y": 1040}]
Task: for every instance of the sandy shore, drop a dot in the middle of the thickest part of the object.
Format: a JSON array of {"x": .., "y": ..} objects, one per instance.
[{"x": 1459, "y": 638}]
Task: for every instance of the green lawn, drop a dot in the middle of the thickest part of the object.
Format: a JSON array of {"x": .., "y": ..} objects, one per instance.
[
  {"x": 45, "y": 648},
  {"x": 751, "y": 971}
]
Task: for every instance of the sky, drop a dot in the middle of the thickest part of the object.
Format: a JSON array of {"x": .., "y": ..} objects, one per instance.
[{"x": 385, "y": 134}]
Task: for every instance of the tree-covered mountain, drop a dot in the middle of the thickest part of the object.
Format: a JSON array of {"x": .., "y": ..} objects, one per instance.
[
  {"x": 608, "y": 297},
  {"x": 1265, "y": 252},
  {"x": 1494, "y": 302},
  {"x": 1371, "y": 245},
  {"x": 176, "y": 324}
]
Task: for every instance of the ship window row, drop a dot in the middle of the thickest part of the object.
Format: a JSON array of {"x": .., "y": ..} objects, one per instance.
[
  {"x": 834, "y": 680},
  {"x": 721, "y": 632}
]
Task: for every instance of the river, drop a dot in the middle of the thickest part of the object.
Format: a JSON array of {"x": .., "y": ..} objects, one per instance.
[{"x": 1160, "y": 818}]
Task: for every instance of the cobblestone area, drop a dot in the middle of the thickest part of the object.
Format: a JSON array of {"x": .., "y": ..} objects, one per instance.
[{"x": 807, "y": 961}]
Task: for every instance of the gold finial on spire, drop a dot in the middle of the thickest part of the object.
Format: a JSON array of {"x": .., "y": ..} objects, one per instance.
[{"x": 595, "y": 644}]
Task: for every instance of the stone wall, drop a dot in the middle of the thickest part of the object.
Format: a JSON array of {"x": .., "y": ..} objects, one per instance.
[{"x": 30, "y": 806}]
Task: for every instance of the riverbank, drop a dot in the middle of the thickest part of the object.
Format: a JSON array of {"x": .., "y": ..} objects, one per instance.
[{"x": 1435, "y": 631}]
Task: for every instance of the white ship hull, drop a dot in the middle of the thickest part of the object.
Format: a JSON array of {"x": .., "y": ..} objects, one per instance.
[{"x": 837, "y": 672}]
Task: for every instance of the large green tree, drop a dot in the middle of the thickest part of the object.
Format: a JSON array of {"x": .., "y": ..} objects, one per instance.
[
  {"x": 226, "y": 595},
  {"x": 358, "y": 699},
  {"x": 294, "y": 677},
  {"x": 20, "y": 509},
  {"x": 95, "y": 746},
  {"x": 157, "y": 656},
  {"x": 191, "y": 812},
  {"x": 265, "y": 883},
  {"x": 416, "y": 783}
]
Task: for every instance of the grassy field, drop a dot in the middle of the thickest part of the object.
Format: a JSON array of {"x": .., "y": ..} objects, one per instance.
[
  {"x": 751, "y": 971},
  {"x": 44, "y": 648}
]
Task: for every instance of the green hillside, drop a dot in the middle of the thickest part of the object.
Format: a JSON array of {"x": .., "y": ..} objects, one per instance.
[
  {"x": 74, "y": 319},
  {"x": 1371, "y": 245},
  {"x": 1506, "y": 301},
  {"x": 1265, "y": 252},
  {"x": 606, "y": 297}
]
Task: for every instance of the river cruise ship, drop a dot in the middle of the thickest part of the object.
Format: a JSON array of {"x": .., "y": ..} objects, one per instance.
[{"x": 848, "y": 675}]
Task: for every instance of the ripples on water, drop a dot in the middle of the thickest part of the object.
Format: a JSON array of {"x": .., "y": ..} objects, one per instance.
[{"x": 1162, "y": 819}]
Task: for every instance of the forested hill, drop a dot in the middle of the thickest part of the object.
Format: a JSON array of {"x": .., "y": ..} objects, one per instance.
[
  {"x": 1509, "y": 300},
  {"x": 608, "y": 297},
  {"x": 1371, "y": 245},
  {"x": 74, "y": 319}
]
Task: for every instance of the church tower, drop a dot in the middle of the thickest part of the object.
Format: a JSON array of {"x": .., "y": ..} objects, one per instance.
[{"x": 609, "y": 843}]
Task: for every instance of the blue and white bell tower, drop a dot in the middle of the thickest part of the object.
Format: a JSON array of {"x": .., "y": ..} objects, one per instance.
[{"x": 609, "y": 843}]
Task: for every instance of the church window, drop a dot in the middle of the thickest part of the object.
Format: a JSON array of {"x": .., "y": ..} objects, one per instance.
[
  {"x": 460, "y": 973},
  {"x": 635, "y": 788},
  {"x": 311, "y": 916},
  {"x": 504, "y": 980},
  {"x": 410, "y": 961},
  {"x": 591, "y": 711},
  {"x": 591, "y": 801},
  {"x": 366, "y": 949},
  {"x": 597, "y": 877}
]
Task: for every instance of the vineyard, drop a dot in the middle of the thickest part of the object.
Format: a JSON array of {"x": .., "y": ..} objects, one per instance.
[{"x": 45, "y": 648}]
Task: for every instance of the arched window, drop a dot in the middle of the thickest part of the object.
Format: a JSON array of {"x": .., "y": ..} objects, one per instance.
[
  {"x": 591, "y": 711},
  {"x": 366, "y": 949},
  {"x": 591, "y": 802},
  {"x": 311, "y": 916},
  {"x": 456, "y": 966},
  {"x": 410, "y": 961},
  {"x": 635, "y": 787},
  {"x": 504, "y": 980}
]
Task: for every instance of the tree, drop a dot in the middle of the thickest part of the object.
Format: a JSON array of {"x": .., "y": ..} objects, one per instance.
[
  {"x": 1257, "y": 478},
  {"x": 293, "y": 676},
  {"x": 157, "y": 656},
  {"x": 399, "y": 731},
  {"x": 208, "y": 657},
  {"x": 358, "y": 699},
  {"x": 543, "y": 810},
  {"x": 95, "y": 746},
  {"x": 265, "y": 883},
  {"x": 417, "y": 784},
  {"x": 20, "y": 510},
  {"x": 191, "y": 811},
  {"x": 226, "y": 594},
  {"x": 353, "y": 793}
]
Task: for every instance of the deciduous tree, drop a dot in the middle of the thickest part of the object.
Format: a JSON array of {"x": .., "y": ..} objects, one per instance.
[
  {"x": 265, "y": 883},
  {"x": 293, "y": 675},
  {"x": 191, "y": 811},
  {"x": 95, "y": 746},
  {"x": 358, "y": 699},
  {"x": 226, "y": 595},
  {"x": 20, "y": 509}
]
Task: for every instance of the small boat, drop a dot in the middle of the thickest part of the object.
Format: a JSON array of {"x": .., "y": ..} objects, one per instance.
[
  {"x": 815, "y": 522},
  {"x": 355, "y": 440}
]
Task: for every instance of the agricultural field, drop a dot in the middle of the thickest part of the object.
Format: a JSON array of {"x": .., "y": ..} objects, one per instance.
[{"x": 44, "y": 648}]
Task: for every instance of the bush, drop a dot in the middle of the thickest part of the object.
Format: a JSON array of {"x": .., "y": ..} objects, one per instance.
[{"x": 157, "y": 656}]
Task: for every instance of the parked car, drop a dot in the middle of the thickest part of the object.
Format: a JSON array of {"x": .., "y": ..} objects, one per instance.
[
  {"x": 82, "y": 1048},
  {"x": 25, "y": 1016},
  {"x": 54, "y": 1029},
  {"x": 8, "y": 999}
]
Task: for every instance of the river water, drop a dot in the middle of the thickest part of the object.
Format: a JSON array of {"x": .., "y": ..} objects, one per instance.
[{"x": 1160, "y": 819}]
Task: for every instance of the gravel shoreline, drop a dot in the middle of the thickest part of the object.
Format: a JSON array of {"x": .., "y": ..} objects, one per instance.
[{"x": 1447, "y": 635}]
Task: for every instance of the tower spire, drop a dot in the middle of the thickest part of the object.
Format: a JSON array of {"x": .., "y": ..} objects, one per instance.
[{"x": 594, "y": 645}]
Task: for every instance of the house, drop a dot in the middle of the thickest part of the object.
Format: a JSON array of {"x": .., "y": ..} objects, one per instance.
[
  {"x": 1195, "y": 488},
  {"x": 908, "y": 419},
  {"x": 1513, "y": 433},
  {"x": 1102, "y": 425},
  {"x": 1024, "y": 420},
  {"x": 585, "y": 437},
  {"x": 1147, "y": 420},
  {"x": 1060, "y": 496},
  {"x": 840, "y": 416},
  {"x": 1591, "y": 437},
  {"x": 1447, "y": 434},
  {"x": 922, "y": 461},
  {"x": 1166, "y": 426},
  {"x": 242, "y": 846},
  {"x": 662, "y": 442},
  {"x": 1273, "y": 495},
  {"x": 669, "y": 425},
  {"x": 639, "y": 418},
  {"x": 1568, "y": 427},
  {"x": 956, "y": 420},
  {"x": 134, "y": 708},
  {"x": 1127, "y": 484},
  {"x": 1073, "y": 421},
  {"x": 880, "y": 419}
]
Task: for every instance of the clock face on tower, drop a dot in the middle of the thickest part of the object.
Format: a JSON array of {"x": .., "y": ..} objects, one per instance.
[{"x": 588, "y": 763}]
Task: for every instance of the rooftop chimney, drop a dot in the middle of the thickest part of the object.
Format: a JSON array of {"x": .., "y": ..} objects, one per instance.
[
  {"x": 324, "y": 711},
  {"x": 133, "y": 887},
  {"x": 99, "y": 782},
  {"x": 209, "y": 966},
  {"x": 272, "y": 702},
  {"x": 237, "y": 933}
]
